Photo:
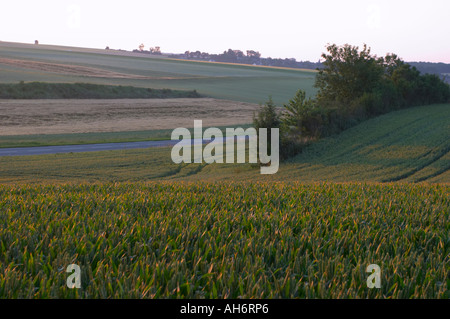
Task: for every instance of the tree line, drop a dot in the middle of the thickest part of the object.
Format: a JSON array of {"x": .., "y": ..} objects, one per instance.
[
  {"x": 353, "y": 85},
  {"x": 254, "y": 57},
  {"x": 251, "y": 57}
]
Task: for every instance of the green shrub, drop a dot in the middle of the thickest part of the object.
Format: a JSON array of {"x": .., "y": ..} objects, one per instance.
[
  {"x": 41, "y": 90},
  {"x": 267, "y": 117}
]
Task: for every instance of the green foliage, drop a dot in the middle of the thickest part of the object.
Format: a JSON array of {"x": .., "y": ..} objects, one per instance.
[
  {"x": 224, "y": 240},
  {"x": 353, "y": 78},
  {"x": 386, "y": 83},
  {"x": 347, "y": 73},
  {"x": 432, "y": 89},
  {"x": 268, "y": 117},
  {"x": 354, "y": 86},
  {"x": 301, "y": 120},
  {"x": 41, "y": 90},
  {"x": 302, "y": 117},
  {"x": 286, "y": 121}
]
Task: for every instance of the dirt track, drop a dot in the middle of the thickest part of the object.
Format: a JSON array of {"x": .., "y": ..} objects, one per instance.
[{"x": 21, "y": 117}]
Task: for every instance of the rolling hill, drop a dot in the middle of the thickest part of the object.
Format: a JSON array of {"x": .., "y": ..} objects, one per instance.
[{"x": 24, "y": 62}]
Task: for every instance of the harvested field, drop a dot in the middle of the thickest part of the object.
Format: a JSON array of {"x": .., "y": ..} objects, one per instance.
[{"x": 22, "y": 117}]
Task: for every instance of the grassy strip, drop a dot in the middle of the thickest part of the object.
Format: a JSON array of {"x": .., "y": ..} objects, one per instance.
[
  {"x": 42, "y": 90},
  {"x": 36, "y": 140},
  {"x": 82, "y": 138}
]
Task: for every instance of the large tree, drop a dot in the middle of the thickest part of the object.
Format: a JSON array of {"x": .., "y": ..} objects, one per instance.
[
  {"x": 364, "y": 83},
  {"x": 348, "y": 73}
]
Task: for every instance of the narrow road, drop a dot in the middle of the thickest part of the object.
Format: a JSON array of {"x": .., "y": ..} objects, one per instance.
[{"x": 42, "y": 150}]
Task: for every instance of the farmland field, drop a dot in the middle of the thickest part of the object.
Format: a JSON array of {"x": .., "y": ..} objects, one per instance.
[
  {"x": 242, "y": 83},
  {"x": 225, "y": 240},
  {"x": 141, "y": 226},
  {"x": 233, "y": 90},
  {"x": 55, "y": 116},
  {"x": 410, "y": 145}
]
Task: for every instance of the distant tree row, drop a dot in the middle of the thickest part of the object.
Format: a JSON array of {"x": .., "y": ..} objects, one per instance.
[
  {"x": 250, "y": 57},
  {"x": 353, "y": 86},
  {"x": 254, "y": 57},
  {"x": 433, "y": 68}
]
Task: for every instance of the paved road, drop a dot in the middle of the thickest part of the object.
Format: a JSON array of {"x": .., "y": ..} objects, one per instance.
[{"x": 41, "y": 150}]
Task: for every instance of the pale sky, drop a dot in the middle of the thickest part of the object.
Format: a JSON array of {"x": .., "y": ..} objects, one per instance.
[{"x": 414, "y": 30}]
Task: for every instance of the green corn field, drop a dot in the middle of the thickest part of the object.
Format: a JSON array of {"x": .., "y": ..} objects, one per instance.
[{"x": 225, "y": 240}]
